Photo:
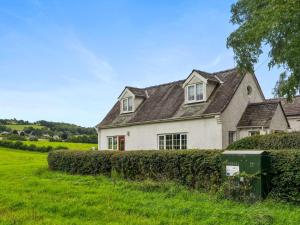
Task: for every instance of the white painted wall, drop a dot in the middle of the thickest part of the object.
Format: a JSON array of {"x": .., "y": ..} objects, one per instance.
[
  {"x": 244, "y": 132},
  {"x": 294, "y": 122},
  {"x": 201, "y": 134},
  {"x": 235, "y": 109},
  {"x": 278, "y": 121}
]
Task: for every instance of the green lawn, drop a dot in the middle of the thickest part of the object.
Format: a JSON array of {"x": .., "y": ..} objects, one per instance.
[
  {"x": 30, "y": 194},
  {"x": 71, "y": 146},
  {"x": 21, "y": 127}
]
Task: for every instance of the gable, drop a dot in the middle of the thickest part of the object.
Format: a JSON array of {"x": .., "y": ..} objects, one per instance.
[
  {"x": 279, "y": 120},
  {"x": 126, "y": 93}
]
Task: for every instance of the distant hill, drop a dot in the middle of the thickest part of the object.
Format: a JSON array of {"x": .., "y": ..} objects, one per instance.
[{"x": 49, "y": 130}]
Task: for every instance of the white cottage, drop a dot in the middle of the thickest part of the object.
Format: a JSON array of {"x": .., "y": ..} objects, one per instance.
[{"x": 204, "y": 111}]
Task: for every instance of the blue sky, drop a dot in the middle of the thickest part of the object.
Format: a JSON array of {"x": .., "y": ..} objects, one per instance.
[{"x": 68, "y": 60}]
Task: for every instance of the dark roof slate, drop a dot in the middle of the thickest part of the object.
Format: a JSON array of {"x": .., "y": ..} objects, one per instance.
[
  {"x": 139, "y": 92},
  {"x": 258, "y": 114},
  {"x": 166, "y": 101},
  {"x": 291, "y": 108}
]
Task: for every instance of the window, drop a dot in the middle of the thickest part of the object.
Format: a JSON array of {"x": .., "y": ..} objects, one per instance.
[
  {"x": 112, "y": 143},
  {"x": 254, "y": 132},
  {"x": 249, "y": 90},
  {"x": 127, "y": 104},
  {"x": 231, "y": 137},
  {"x": 172, "y": 141},
  {"x": 161, "y": 142},
  {"x": 195, "y": 92}
]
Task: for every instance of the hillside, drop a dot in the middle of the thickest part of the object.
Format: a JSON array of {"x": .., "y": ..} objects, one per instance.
[{"x": 55, "y": 131}]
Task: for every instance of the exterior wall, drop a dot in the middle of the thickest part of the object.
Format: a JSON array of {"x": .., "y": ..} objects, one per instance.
[
  {"x": 242, "y": 133},
  {"x": 279, "y": 121},
  {"x": 294, "y": 122},
  {"x": 235, "y": 109},
  {"x": 145, "y": 137}
]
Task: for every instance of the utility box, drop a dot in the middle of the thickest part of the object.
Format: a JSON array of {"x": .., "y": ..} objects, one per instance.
[{"x": 239, "y": 164}]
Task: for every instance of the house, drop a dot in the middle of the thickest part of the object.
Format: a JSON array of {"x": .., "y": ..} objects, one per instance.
[
  {"x": 292, "y": 111},
  {"x": 203, "y": 111}
]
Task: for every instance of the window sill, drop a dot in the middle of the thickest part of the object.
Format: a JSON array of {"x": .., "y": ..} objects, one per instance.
[
  {"x": 126, "y": 112},
  {"x": 194, "y": 102}
]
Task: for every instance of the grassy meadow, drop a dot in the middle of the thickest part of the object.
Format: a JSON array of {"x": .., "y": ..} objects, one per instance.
[
  {"x": 31, "y": 194},
  {"x": 71, "y": 146}
]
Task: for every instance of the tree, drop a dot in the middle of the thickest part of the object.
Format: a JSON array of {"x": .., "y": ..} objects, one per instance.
[{"x": 275, "y": 23}]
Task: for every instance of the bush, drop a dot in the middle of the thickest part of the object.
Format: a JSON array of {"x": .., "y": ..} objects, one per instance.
[
  {"x": 285, "y": 173},
  {"x": 93, "y": 139},
  {"x": 15, "y": 137},
  {"x": 20, "y": 145},
  {"x": 81, "y": 162},
  {"x": 268, "y": 142},
  {"x": 194, "y": 168}
]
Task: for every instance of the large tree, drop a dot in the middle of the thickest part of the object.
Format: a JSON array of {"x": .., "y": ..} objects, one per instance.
[{"x": 275, "y": 23}]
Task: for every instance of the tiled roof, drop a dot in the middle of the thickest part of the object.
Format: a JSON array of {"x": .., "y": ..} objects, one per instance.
[
  {"x": 290, "y": 108},
  {"x": 166, "y": 101},
  {"x": 140, "y": 92},
  {"x": 258, "y": 114}
]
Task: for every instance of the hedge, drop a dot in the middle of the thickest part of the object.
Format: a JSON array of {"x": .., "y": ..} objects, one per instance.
[
  {"x": 194, "y": 168},
  {"x": 285, "y": 173},
  {"x": 268, "y": 142},
  {"x": 20, "y": 145}
]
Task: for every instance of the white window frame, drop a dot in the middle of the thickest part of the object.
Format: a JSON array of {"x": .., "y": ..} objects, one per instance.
[
  {"x": 165, "y": 141},
  {"x": 195, "y": 92},
  {"x": 112, "y": 146},
  {"x": 250, "y": 132},
  {"x": 127, "y": 101}
]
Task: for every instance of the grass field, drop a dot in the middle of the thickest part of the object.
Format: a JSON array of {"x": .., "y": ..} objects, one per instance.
[
  {"x": 21, "y": 127},
  {"x": 71, "y": 146},
  {"x": 30, "y": 194}
]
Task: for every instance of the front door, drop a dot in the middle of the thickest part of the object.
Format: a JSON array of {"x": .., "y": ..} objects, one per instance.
[{"x": 121, "y": 143}]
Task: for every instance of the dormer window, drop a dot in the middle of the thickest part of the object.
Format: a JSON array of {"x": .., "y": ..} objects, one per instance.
[
  {"x": 127, "y": 104},
  {"x": 195, "y": 93}
]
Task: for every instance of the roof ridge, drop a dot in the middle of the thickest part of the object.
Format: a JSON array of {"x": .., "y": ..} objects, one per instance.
[
  {"x": 164, "y": 84},
  {"x": 224, "y": 71},
  {"x": 264, "y": 102}
]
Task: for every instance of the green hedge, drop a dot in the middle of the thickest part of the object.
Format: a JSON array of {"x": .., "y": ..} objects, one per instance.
[
  {"x": 81, "y": 162},
  {"x": 268, "y": 142},
  {"x": 285, "y": 172},
  {"x": 20, "y": 145},
  {"x": 194, "y": 168}
]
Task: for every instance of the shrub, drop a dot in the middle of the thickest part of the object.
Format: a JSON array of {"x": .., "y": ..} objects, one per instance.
[
  {"x": 194, "y": 168},
  {"x": 268, "y": 142},
  {"x": 15, "y": 137},
  {"x": 285, "y": 173},
  {"x": 81, "y": 162},
  {"x": 20, "y": 145}
]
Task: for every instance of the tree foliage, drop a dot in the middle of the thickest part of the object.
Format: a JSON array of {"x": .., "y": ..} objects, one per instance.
[{"x": 275, "y": 23}]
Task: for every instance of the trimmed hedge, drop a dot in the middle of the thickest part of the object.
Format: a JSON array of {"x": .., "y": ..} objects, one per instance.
[
  {"x": 194, "y": 168},
  {"x": 285, "y": 173},
  {"x": 20, "y": 145},
  {"x": 81, "y": 162},
  {"x": 268, "y": 142}
]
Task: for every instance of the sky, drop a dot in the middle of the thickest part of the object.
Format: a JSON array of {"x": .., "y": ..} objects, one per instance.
[{"x": 69, "y": 60}]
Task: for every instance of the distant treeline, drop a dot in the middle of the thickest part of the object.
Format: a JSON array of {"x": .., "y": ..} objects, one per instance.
[{"x": 55, "y": 131}]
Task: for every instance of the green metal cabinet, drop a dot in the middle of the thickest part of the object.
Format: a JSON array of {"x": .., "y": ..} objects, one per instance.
[{"x": 250, "y": 163}]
